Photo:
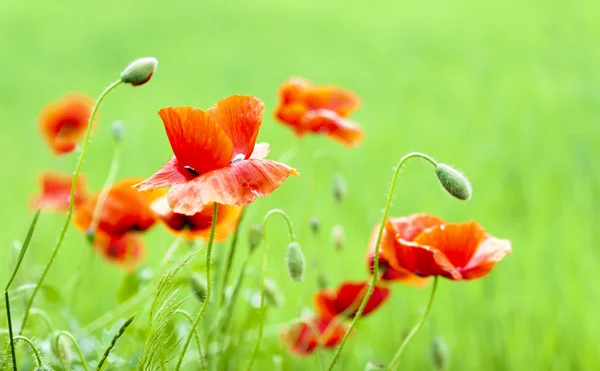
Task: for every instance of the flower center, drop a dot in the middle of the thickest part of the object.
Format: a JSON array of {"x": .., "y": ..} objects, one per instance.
[
  {"x": 191, "y": 170},
  {"x": 237, "y": 158}
]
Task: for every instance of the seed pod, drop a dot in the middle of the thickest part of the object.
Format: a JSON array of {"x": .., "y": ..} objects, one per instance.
[
  {"x": 255, "y": 236},
  {"x": 118, "y": 130},
  {"x": 374, "y": 365},
  {"x": 198, "y": 284},
  {"x": 295, "y": 261},
  {"x": 340, "y": 187},
  {"x": 453, "y": 181},
  {"x": 139, "y": 71},
  {"x": 338, "y": 237},
  {"x": 440, "y": 354}
]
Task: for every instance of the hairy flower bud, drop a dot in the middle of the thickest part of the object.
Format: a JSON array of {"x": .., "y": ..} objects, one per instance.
[
  {"x": 453, "y": 181},
  {"x": 340, "y": 188},
  {"x": 139, "y": 71},
  {"x": 314, "y": 225},
  {"x": 440, "y": 354},
  {"x": 338, "y": 237},
  {"x": 255, "y": 236},
  {"x": 295, "y": 261},
  {"x": 118, "y": 130},
  {"x": 374, "y": 365},
  {"x": 198, "y": 284},
  {"x": 273, "y": 296}
]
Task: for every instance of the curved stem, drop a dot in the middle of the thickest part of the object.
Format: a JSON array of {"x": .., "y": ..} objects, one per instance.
[
  {"x": 375, "y": 278},
  {"x": 38, "y": 357},
  {"x": 414, "y": 330},
  {"x": 208, "y": 288},
  {"x": 113, "y": 342},
  {"x": 63, "y": 231},
  {"x": 264, "y": 273},
  {"x": 43, "y": 315},
  {"x": 10, "y": 331},
  {"x": 198, "y": 344},
  {"x": 230, "y": 257},
  {"x": 77, "y": 349}
]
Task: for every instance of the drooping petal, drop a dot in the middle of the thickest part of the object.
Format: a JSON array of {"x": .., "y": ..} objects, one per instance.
[
  {"x": 56, "y": 192},
  {"x": 261, "y": 150},
  {"x": 127, "y": 250},
  {"x": 301, "y": 339},
  {"x": 409, "y": 227},
  {"x": 292, "y": 115},
  {"x": 240, "y": 117},
  {"x": 172, "y": 173},
  {"x": 238, "y": 184},
  {"x": 424, "y": 261},
  {"x": 197, "y": 140},
  {"x": 347, "y": 298},
  {"x": 334, "y": 98},
  {"x": 490, "y": 251},
  {"x": 334, "y": 126}
]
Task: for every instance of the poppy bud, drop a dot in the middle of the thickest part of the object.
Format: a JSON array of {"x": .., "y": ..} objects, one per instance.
[
  {"x": 90, "y": 235},
  {"x": 374, "y": 365},
  {"x": 255, "y": 236},
  {"x": 338, "y": 236},
  {"x": 340, "y": 188},
  {"x": 139, "y": 71},
  {"x": 440, "y": 354},
  {"x": 118, "y": 130},
  {"x": 314, "y": 225},
  {"x": 272, "y": 294},
  {"x": 453, "y": 181},
  {"x": 322, "y": 281},
  {"x": 198, "y": 285},
  {"x": 295, "y": 261}
]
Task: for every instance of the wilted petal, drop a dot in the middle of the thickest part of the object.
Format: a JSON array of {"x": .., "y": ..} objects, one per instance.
[{"x": 172, "y": 173}]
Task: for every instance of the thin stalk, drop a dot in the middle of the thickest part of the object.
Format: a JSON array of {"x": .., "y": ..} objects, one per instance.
[
  {"x": 43, "y": 315},
  {"x": 375, "y": 278},
  {"x": 38, "y": 357},
  {"x": 264, "y": 273},
  {"x": 77, "y": 349},
  {"x": 113, "y": 342},
  {"x": 414, "y": 330},
  {"x": 63, "y": 231},
  {"x": 198, "y": 343},
  {"x": 232, "y": 249},
  {"x": 208, "y": 288},
  {"x": 10, "y": 331},
  {"x": 23, "y": 248}
]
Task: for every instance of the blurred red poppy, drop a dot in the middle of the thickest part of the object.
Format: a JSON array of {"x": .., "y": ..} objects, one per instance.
[
  {"x": 126, "y": 250},
  {"x": 345, "y": 300},
  {"x": 198, "y": 225},
  {"x": 124, "y": 210},
  {"x": 56, "y": 192},
  {"x": 396, "y": 230},
  {"x": 302, "y": 340},
  {"x": 308, "y": 108},
  {"x": 64, "y": 123},
  {"x": 216, "y": 159},
  {"x": 458, "y": 251}
]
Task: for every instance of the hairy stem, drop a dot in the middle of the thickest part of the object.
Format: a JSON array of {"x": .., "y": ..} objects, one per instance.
[
  {"x": 38, "y": 357},
  {"x": 77, "y": 349},
  {"x": 197, "y": 338}
]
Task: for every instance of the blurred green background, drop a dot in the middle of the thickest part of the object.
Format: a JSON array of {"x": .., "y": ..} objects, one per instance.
[{"x": 509, "y": 92}]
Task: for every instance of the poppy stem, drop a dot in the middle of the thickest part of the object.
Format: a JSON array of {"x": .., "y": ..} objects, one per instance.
[
  {"x": 63, "y": 231},
  {"x": 75, "y": 345},
  {"x": 34, "y": 349},
  {"x": 375, "y": 278},
  {"x": 414, "y": 330},
  {"x": 208, "y": 288},
  {"x": 10, "y": 331},
  {"x": 230, "y": 257},
  {"x": 292, "y": 237},
  {"x": 197, "y": 338}
]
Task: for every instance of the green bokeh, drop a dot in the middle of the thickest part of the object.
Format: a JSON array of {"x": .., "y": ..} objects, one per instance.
[{"x": 509, "y": 92}]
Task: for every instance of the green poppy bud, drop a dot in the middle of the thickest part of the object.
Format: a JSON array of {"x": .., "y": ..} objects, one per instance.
[
  {"x": 295, "y": 261},
  {"x": 314, "y": 225},
  {"x": 273, "y": 296},
  {"x": 374, "y": 365},
  {"x": 139, "y": 71},
  {"x": 453, "y": 181},
  {"x": 440, "y": 354},
  {"x": 338, "y": 237},
  {"x": 255, "y": 236},
  {"x": 340, "y": 188},
  {"x": 118, "y": 130},
  {"x": 198, "y": 285}
]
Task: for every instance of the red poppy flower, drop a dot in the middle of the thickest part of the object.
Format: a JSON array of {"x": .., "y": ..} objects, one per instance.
[
  {"x": 64, "y": 123},
  {"x": 301, "y": 339},
  {"x": 319, "y": 109},
  {"x": 345, "y": 300},
  {"x": 124, "y": 210},
  {"x": 198, "y": 225},
  {"x": 458, "y": 251},
  {"x": 216, "y": 159},
  {"x": 403, "y": 229},
  {"x": 126, "y": 250},
  {"x": 56, "y": 192}
]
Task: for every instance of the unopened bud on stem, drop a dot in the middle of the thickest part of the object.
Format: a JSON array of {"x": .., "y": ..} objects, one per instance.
[
  {"x": 440, "y": 354},
  {"x": 295, "y": 261},
  {"x": 255, "y": 236},
  {"x": 314, "y": 225},
  {"x": 453, "y": 181},
  {"x": 340, "y": 188},
  {"x": 338, "y": 237},
  {"x": 118, "y": 130},
  {"x": 374, "y": 365},
  {"x": 139, "y": 71}
]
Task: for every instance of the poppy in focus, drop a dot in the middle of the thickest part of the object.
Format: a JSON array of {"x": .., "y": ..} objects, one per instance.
[
  {"x": 198, "y": 225},
  {"x": 396, "y": 231},
  {"x": 216, "y": 159},
  {"x": 458, "y": 251},
  {"x": 56, "y": 192},
  {"x": 309, "y": 108},
  {"x": 126, "y": 250},
  {"x": 346, "y": 299},
  {"x": 63, "y": 124},
  {"x": 302, "y": 340}
]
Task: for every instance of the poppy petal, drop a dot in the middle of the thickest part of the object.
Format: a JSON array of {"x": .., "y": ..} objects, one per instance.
[
  {"x": 490, "y": 251},
  {"x": 238, "y": 184},
  {"x": 333, "y": 98},
  {"x": 301, "y": 339},
  {"x": 261, "y": 150},
  {"x": 172, "y": 173},
  {"x": 424, "y": 261},
  {"x": 127, "y": 250},
  {"x": 347, "y": 298},
  {"x": 294, "y": 90},
  {"x": 197, "y": 140},
  {"x": 240, "y": 117},
  {"x": 56, "y": 192},
  {"x": 334, "y": 126}
]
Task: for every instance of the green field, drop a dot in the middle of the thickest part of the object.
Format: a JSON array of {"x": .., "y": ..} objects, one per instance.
[{"x": 509, "y": 92}]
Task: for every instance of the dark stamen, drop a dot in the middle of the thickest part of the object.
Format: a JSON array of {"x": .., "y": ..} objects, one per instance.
[{"x": 191, "y": 170}]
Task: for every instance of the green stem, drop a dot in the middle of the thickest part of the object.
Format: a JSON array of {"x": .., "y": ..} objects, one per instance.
[
  {"x": 113, "y": 342},
  {"x": 24, "y": 248},
  {"x": 38, "y": 357},
  {"x": 264, "y": 273},
  {"x": 230, "y": 257},
  {"x": 10, "y": 331},
  {"x": 414, "y": 330},
  {"x": 77, "y": 349},
  {"x": 198, "y": 343},
  {"x": 63, "y": 231},
  {"x": 43, "y": 315},
  {"x": 208, "y": 288},
  {"x": 373, "y": 282}
]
